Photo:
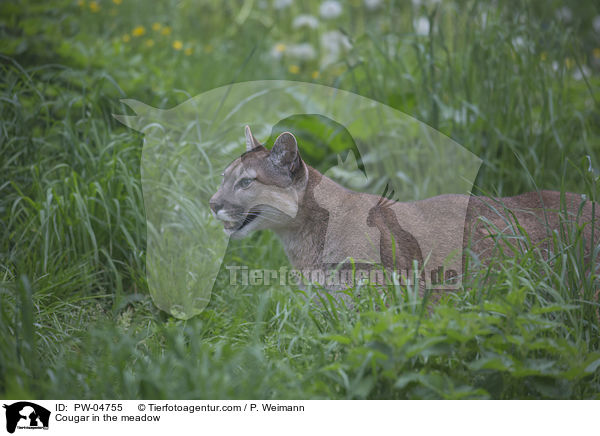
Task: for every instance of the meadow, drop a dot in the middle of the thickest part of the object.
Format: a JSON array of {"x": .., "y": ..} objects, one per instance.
[{"x": 515, "y": 83}]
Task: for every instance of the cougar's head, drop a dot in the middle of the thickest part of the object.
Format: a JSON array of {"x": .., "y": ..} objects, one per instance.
[{"x": 262, "y": 188}]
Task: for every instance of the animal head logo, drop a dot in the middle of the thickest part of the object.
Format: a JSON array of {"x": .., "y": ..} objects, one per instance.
[
  {"x": 187, "y": 147},
  {"x": 25, "y": 414}
]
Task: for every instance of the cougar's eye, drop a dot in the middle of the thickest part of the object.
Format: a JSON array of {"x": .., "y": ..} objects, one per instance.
[{"x": 245, "y": 182}]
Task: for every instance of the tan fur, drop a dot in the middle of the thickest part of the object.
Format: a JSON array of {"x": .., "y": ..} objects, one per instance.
[{"x": 321, "y": 223}]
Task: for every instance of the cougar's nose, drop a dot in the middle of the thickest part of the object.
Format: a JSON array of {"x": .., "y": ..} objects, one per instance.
[{"x": 215, "y": 204}]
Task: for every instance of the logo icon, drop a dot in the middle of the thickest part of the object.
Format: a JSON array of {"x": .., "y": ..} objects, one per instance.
[
  {"x": 26, "y": 415},
  {"x": 187, "y": 147}
]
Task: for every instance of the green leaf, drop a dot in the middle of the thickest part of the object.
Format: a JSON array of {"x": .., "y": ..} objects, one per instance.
[
  {"x": 593, "y": 367},
  {"x": 345, "y": 340}
]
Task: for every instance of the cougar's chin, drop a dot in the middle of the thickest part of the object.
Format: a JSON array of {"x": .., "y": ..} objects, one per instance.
[{"x": 240, "y": 229}]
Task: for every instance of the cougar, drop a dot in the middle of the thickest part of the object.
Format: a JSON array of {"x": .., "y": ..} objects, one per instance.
[{"x": 325, "y": 227}]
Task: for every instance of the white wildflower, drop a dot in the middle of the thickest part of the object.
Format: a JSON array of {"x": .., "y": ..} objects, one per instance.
[
  {"x": 596, "y": 23},
  {"x": 282, "y": 4},
  {"x": 330, "y": 9},
  {"x": 564, "y": 13},
  {"x": 483, "y": 19},
  {"x": 421, "y": 26},
  {"x": 580, "y": 72},
  {"x": 305, "y": 20},
  {"x": 334, "y": 43},
  {"x": 304, "y": 51},
  {"x": 522, "y": 44},
  {"x": 372, "y": 4},
  {"x": 417, "y": 3},
  {"x": 518, "y": 42},
  {"x": 277, "y": 50}
]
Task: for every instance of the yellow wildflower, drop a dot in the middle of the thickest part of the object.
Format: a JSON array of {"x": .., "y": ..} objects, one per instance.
[
  {"x": 596, "y": 53},
  {"x": 280, "y": 47},
  {"x": 156, "y": 26},
  {"x": 149, "y": 42},
  {"x": 138, "y": 31},
  {"x": 294, "y": 69},
  {"x": 126, "y": 38},
  {"x": 177, "y": 45},
  {"x": 543, "y": 56},
  {"x": 188, "y": 51},
  {"x": 166, "y": 30},
  {"x": 569, "y": 63},
  {"x": 94, "y": 7},
  {"x": 80, "y": 3},
  {"x": 315, "y": 75},
  {"x": 117, "y": 2}
]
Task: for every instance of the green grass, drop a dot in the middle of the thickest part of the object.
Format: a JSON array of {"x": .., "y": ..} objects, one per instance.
[{"x": 515, "y": 84}]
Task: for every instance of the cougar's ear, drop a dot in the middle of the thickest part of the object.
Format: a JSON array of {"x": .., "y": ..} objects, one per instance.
[
  {"x": 285, "y": 152},
  {"x": 251, "y": 142}
]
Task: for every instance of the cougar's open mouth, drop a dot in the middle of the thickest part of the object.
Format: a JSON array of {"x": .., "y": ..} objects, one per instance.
[{"x": 233, "y": 226}]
